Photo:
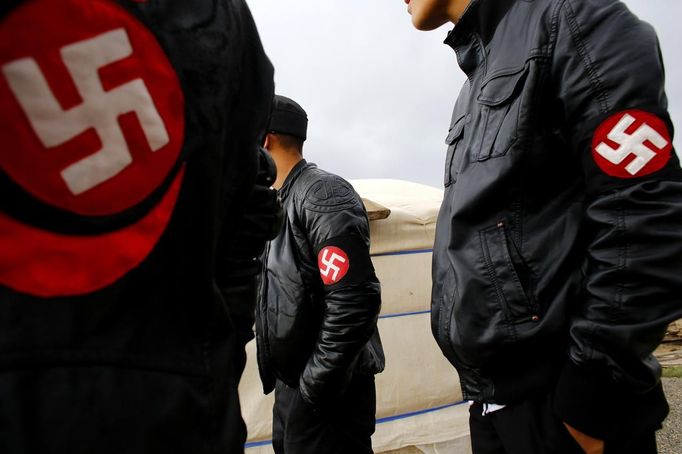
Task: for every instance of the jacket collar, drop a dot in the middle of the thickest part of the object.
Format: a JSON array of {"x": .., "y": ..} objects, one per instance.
[
  {"x": 465, "y": 25},
  {"x": 293, "y": 175},
  {"x": 475, "y": 29}
]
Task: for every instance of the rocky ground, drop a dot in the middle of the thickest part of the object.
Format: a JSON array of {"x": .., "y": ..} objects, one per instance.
[{"x": 670, "y": 437}]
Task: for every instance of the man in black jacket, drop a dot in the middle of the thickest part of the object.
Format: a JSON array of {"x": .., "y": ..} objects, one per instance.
[
  {"x": 558, "y": 256},
  {"x": 318, "y": 344},
  {"x": 131, "y": 135}
]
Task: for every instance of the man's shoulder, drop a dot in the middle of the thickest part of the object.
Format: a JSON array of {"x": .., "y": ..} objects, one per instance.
[
  {"x": 595, "y": 12},
  {"x": 320, "y": 190}
]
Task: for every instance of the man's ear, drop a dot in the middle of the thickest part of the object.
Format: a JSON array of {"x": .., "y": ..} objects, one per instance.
[{"x": 266, "y": 142}]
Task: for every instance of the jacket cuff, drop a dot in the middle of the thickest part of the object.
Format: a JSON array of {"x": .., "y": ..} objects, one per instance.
[{"x": 585, "y": 398}]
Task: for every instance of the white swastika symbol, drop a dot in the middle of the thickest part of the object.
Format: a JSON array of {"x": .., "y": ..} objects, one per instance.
[
  {"x": 632, "y": 144},
  {"x": 99, "y": 110},
  {"x": 331, "y": 264}
]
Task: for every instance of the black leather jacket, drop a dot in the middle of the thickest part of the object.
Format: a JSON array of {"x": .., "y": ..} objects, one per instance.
[
  {"x": 317, "y": 313},
  {"x": 558, "y": 258},
  {"x": 135, "y": 348}
]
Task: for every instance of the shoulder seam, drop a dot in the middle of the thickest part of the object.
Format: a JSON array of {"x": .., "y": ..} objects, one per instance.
[
  {"x": 326, "y": 178},
  {"x": 321, "y": 175},
  {"x": 307, "y": 180},
  {"x": 581, "y": 48}
]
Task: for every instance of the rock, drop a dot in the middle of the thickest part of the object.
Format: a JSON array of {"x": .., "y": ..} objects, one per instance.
[{"x": 674, "y": 332}]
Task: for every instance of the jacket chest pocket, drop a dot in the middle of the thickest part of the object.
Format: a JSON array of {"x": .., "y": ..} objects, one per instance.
[
  {"x": 453, "y": 159},
  {"x": 500, "y": 108}
]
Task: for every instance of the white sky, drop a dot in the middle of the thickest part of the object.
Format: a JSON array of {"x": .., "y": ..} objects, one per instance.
[{"x": 379, "y": 93}]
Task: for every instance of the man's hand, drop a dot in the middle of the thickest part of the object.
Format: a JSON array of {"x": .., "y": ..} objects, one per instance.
[{"x": 590, "y": 445}]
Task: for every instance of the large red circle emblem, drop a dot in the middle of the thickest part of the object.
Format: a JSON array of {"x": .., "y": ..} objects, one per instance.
[
  {"x": 333, "y": 264},
  {"x": 631, "y": 144},
  {"x": 92, "y": 123},
  {"x": 92, "y": 110}
]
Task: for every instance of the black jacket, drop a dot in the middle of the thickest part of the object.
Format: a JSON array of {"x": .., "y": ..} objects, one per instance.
[
  {"x": 320, "y": 299},
  {"x": 558, "y": 256},
  {"x": 115, "y": 332}
]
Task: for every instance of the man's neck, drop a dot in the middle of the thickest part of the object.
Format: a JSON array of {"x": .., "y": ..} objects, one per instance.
[
  {"x": 457, "y": 9},
  {"x": 284, "y": 162}
]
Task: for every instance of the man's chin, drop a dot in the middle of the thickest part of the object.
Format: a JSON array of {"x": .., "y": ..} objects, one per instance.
[{"x": 426, "y": 25}]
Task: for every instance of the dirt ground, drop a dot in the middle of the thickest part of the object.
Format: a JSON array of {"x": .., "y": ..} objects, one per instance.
[{"x": 670, "y": 437}]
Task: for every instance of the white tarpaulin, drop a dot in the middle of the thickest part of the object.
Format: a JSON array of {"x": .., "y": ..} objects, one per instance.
[{"x": 419, "y": 403}]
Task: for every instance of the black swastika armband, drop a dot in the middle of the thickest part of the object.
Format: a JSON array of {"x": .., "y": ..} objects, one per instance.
[{"x": 344, "y": 260}]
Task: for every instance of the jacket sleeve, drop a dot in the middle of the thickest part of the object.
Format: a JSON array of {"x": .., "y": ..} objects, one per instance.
[
  {"x": 249, "y": 212},
  {"x": 608, "y": 74},
  {"x": 338, "y": 233}
]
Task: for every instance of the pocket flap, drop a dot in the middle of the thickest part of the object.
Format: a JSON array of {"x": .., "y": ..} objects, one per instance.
[
  {"x": 455, "y": 131},
  {"x": 501, "y": 87}
]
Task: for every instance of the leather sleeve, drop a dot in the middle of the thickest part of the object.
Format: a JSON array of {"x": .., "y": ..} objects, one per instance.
[
  {"x": 608, "y": 74},
  {"x": 338, "y": 231}
]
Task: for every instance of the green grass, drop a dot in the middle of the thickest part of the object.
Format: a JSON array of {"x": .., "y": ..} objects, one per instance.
[{"x": 672, "y": 372}]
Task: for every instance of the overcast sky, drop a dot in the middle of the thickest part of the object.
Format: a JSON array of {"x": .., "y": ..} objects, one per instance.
[{"x": 379, "y": 93}]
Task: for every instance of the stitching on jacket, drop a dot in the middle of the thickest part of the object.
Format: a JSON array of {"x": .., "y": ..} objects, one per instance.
[
  {"x": 213, "y": 404},
  {"x": 622, "y": 255},
  {"x": 581, "y": 47},
  {"x": 334, "y": 202},
  {"x": 554, "y": 29},
  {"x": 487, "y": 259},
  {"x": 512, "y": 269},
  {"x": 516, "y": 209},
  {"x": 480, "y": 50}
]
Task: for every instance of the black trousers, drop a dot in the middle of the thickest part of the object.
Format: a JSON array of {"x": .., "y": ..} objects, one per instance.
[
  {"x": 530, "y": 427},
  {"x": 345, "y": 427}
]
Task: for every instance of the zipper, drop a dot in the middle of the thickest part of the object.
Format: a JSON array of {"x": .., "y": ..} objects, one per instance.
[
  {"x": 264, "y": 300},
  {"x": 530, "y": 318},
  {"x": 518, "y": 262}
]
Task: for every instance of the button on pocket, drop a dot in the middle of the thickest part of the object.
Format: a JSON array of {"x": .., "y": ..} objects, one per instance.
[
  {"x": 500, "y": 108},
  {"x": 452, "y": 140}
]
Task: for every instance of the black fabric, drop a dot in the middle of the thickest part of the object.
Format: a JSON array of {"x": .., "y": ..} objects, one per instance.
[
  {"x": 85, "y": 407},
  {"x": 313, "y": 336},
  {"x": 21, "y": 205},
  {"x": 539, "y": 376},
  {"x": 610, "y": 406},
  {"x": 151, "y": 363},
  {"x": 551, "y": 243},
  {"x": 360, "y": 267},
  {"x": 7, "y": 6},
  {"x": 260, "y": 214},
  {"x": 528, "y": 427},
  {"x": 532, "y": 427},
  {"x": 344, "y": 427},
  {"x": 637, "y": 442},
  {"x": 237, "y": 272}
]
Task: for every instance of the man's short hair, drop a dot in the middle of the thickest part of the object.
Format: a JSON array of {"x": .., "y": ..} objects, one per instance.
[{"x": 291, "y": 142}]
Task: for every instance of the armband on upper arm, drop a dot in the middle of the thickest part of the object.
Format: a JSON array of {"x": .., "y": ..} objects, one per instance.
[
  {"x": 629, "y": 146},
  {"x": 344, "y": 260}
]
